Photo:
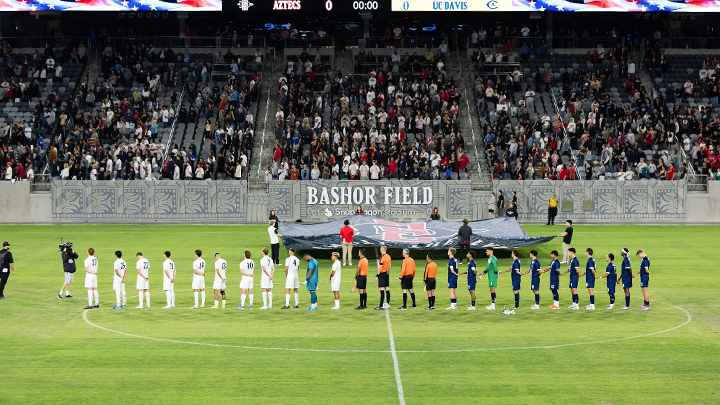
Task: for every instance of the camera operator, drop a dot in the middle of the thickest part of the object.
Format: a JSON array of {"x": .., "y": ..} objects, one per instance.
[{"x": 68, "y": 258}]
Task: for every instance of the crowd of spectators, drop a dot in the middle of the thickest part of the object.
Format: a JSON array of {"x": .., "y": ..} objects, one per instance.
[{"x": 390, "y": 119}]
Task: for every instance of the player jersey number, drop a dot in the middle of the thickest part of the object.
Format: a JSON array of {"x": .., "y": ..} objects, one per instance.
[
  {"x": 94, "y": 262},
  {"x": 251, "y": 265},
  {"x": 122, "y": 266},
  {"x": 172, "y": 266},
  {"x": 224, "y": 266},
  {"x": 201, "y": 266},
  {"x": 146, "y": 266}
]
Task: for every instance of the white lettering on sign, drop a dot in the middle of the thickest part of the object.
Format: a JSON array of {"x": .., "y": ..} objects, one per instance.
[
  {"x": 366, "y": 195},
  {"x": 286, "y": 5}
]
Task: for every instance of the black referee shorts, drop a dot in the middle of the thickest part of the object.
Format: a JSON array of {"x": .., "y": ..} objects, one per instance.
[
  {"x": 430, "y": 284},
  {"x": 384, "y": 280},
  {"x": 406, "y": 282},
  {"x": 361, "y": 282}
]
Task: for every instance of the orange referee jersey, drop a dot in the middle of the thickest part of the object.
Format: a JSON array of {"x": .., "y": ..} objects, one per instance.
[
  {"x": 363, "y": 266},
  {"x": 385, "y": 263},
  {"x": 430, "y": 270},
  {"x": 408, "y": 267}
]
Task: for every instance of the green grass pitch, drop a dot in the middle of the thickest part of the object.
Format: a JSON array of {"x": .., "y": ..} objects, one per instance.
[{"x": 50, "y": 354}]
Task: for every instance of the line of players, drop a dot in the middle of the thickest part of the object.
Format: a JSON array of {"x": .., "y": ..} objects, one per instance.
[{"x": 406, "y": 278}]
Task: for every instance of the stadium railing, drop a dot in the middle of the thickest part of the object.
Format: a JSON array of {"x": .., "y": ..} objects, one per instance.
[
  {"x": 42, "y": 42},
  {"x": 171, "y": 137},
  {"x": 191, "y": 42},
  {"x": 697, "y": 183},
  {"x": 41, "y": 183},
  {"x": 551, "y": 41},
  {"x": 433, "y": 41},
  {"x": 685, "y": 43},
  {"x": 309, "y": 42}
]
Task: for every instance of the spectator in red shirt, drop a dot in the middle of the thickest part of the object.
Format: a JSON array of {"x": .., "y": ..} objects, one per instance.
[
  {"x": 671, "y": 172},
  {"x": 464, "y": 161},
  {"x": 347, "y": 233},
  {"x": 392, "y": 167}
]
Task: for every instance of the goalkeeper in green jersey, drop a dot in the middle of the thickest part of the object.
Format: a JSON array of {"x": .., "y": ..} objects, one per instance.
[{"x": 492, "y": 271}]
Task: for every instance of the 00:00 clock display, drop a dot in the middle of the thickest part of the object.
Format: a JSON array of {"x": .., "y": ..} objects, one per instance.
[{"x": 365, "y": 5}]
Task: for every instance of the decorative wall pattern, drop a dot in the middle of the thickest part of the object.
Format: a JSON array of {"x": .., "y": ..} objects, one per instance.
[
  {"x": 634, "y": 200},
  {"x": 169, "y": 200}
]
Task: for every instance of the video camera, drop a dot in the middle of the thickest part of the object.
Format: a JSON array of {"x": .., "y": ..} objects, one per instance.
[{"x": 65, "y": 245}]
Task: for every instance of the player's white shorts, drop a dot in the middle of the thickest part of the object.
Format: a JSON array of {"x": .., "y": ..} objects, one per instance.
[
  {"x": 117, "y": 284},
  {"x": 335, "y": 285},
  {"x": 69, "y": 277},
  {"x": 142, "y": 284},
  {"x": 266, "y": 283},
  {"x": 198, "y": 282},
  {"x": 168, "y": 285},
  {"x": 90, "y": 281},
  {"x": 292, "y": 281},
  {"x": 218, "y": 285},
  {"x": 246, "y": 283}
]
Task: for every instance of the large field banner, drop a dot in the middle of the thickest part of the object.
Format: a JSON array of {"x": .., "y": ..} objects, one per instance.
[{"x": 394, "y": 200}]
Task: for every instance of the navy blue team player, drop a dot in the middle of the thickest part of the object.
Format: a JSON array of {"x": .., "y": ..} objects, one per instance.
[
  {"x": 471, "y": 278},
  {"x": 534, "y": 271},
  {"x": 452, "y": 278},
  {"x": 516, "y": 277},
  {"x": 644, "y": 278},
  {"x": 611, "y": 275},
  {"x": 626, "y": 277},
  {"x": 554, "y": 270},
  {"x": 590, "y": 277},
  {"x": 574, "y": 271}
]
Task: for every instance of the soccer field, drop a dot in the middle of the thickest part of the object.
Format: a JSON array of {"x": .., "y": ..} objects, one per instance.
[{"x": 55, "y": 352}]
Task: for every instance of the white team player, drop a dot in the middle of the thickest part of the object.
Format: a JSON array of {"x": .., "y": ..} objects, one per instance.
[
  {"x": 292, "y": 282},
  {"x": 335, "y": 278},
  {"x": 198, "y": 283},
  {"x": 268, "y": 270},
  {"x": 120, "y": 269},
  {"x": 219, "y": 283},
  {"x": 143, "y": 279},
  {"x": 169, "y": 280},
  {"x": 247, "y": 267},
  {"x": 91, "y": 268}
]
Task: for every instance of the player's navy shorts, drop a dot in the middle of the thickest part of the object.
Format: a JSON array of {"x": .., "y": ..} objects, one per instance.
[
  {"x": 361, "y": 282},
  {"x": 573, "y": 283},
  {"x": 406, "y": 283},
  {"x": 627, "y": 282},
  {"x": 516, "y": 285},
  {"x": 590, "y": 283},
  {"x": 553, "y": 287},
  {"x": 384, "y": 280},
  {"x": 430, "y": 284},
  {"x": 535, "y": 284},
  {"x": 312, "y": 286},
  {"x": 644, "y": 280},
  {"x": 471, "y": 284},
  {"x": 452, "y": 282},
  {"x": 611, "y": 288}
]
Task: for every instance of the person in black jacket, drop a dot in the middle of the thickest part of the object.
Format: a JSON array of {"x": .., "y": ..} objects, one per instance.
[
  {"x": 464, "y": 233},
  {"x": 512, "y": 211},
  {"x": 7, "y": 264},
  {"x": 68, "y": 258}
]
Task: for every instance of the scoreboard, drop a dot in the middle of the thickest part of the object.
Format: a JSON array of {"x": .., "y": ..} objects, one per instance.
[{"x": 321, "y": 7}]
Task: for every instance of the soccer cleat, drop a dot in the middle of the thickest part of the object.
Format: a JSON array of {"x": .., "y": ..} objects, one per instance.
[
  {"x": 451, "y": 307},
  {"x": 147, "y": 306},
  {"x": 116, "y": 307},
  {"x": 471, "y": 308},
  {"x": 514, "y": 308},
  {"x": 167, "y": 307},
  {"x": 380, "y": 308},
  {"x": 240, "y": 307},
  {"x": 574, "y": 307},
  {"x": 432, "y": 307},
  {"x": 386, "y": 306},
  {"x": 223, "y": 306},
  {"x": 200, "y": 307},
  {"x": 590, "y": 307},
  {"x": 214, "y": 307},
  {"x": 610, "y": 307},
  {"x": 139, "y": 307},
  {"x": 264, "y": 307},
  {"x": 336, "y": 308},
  {"x": 350, "y": 264},
  {"x": 69, "y": 296},
  {"x": 193, "y": 307},
  {"x": 536, "y": 306},
  {"x": 59, "y": 296},
  {"x": 170, "y": 307},
  {"x": 428, "y": 308},
  {"x": 413, "y": 306},
  {"x": 285, "y": 307},
  {"x": 645, "y": 308},
  {"x": 296, "y": 307},
  {"x": 270, "y": 307},
  {"x": 96, "y": 306},
  {"x": 402, "y": 308},
  {"x": 251, "y": 307},
  {"x": 124, "y": 306},
  {"x": 554, "y": 307},
  {"x": 490, "y": 307},
  {"x": 625, "y": 307},
  {"x": 360, "y": 307},
  {"x": 312, "y": 308},
  {"x": 88, "y": 307}
]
